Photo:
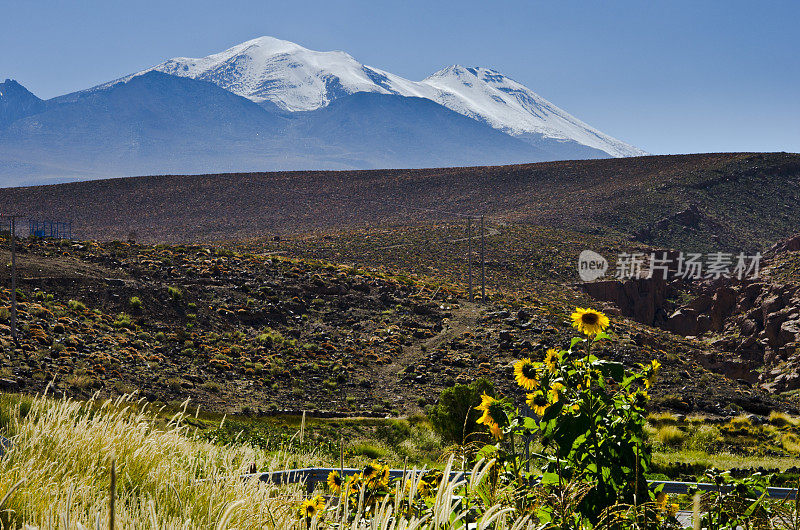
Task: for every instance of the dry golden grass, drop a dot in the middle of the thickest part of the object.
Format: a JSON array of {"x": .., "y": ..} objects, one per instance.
[
  {"x": 61, "y": 457},
  {"x": 57, "y": 475}
]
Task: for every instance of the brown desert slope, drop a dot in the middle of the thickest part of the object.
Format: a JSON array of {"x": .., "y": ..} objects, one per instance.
[{"x": 734, "y": 201}]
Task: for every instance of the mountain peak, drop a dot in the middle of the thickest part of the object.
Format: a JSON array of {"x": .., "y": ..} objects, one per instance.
[
  {"x": 267, "y": 45},
  {"x": 11, "y": 86},
  {"x": 278, "y": 73},
  {"x": 505, "y": 104},
  {"x": 17, "y": 102}
]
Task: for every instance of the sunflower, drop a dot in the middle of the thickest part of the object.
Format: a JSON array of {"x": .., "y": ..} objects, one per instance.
[
  {"x": 537, "y": 402},
  {"x": 641, "y": 397},
  {"x": 589, "y": 321},
  {"x": 311, "y": 507},
  {"x": 382, "y": 475},
  {"x": 334, "y": 481},
  {"x": 525, "y": 374},
  {"x": 661, "y": 501},
  {"x": 553, "y": 393},
  {"x": 551, "y": 360},
  {"x": 424, "y": 488},
  {"x": 652, "y": 373},
  {"x": 497, "y": 432},
  {"x": 370, "y": 470},
  {"x": 355, "y": 483},
  {"x": 492, "y": 410}
]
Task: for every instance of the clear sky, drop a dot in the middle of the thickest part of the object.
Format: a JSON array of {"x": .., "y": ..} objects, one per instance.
[{"x": 667, "y": 76}]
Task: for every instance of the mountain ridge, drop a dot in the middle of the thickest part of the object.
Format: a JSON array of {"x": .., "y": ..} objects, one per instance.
[
  {"x": 156, "y": 123},
  {"x": 275, "y": 106},
  {"x": 293, "y": 78}
]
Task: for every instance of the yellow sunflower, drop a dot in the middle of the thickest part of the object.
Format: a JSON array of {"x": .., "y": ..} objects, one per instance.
[
  {"x": 334, "y": 481},
  {"x": 492, "y": 409},
  {"x": 588, "y": 321},
  {"x": 382, "y": 475},
  {"x": 554, "y": 392},
  {"x": 370, "y": 470},
  {"x": 537, "y": 402},
  {"x": 497, "y": 432},
  {"x": 551, "y": 360},
  {"x": 652, "y": 373},
  {"x": 525, "y": 374},
  {"x": 355, "y": 483},
  {"x": 424, "y": 488},
  {"x": 311, "y": 507}
]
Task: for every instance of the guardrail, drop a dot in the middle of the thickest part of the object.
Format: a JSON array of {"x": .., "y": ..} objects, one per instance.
[
  {"x": 311, "y": 476},
  {"x": 677, "y": 488}
]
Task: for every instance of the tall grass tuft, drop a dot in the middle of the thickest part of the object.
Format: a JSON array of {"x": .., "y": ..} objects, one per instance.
[{"x": 58, "y": 471}]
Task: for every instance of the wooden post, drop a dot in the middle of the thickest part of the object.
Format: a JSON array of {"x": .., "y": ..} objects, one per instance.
[
  {"x": 469, "y": 257},
  {"x": 112, "y": 495},
  {"x": 483, "y": 263},
  {"x": 13, "y": 281}
]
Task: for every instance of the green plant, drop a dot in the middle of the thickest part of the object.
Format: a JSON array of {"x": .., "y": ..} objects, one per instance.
[
  {"x": 454, "y": 416},
  {"x": 588, "y": 414},
  {"x": 175, "y": 294},
  {"x": 270, "y": 337},
  {"x": 75, "y": 305},
  {"x": 369, "y": 450},
  {"x": 735, "y": 503},
  {"x": 123, "y": 320},
  {"x": 136, "y": 303},
  {"x": 211, "y": 386},
  {"x": 670, "y": 436}
]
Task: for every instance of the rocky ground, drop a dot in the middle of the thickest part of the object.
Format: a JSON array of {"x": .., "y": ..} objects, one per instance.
[{"x": 259, "y": 332}]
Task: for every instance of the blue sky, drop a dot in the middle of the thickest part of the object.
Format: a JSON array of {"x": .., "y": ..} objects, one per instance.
[{"x": 667, "y": 76}]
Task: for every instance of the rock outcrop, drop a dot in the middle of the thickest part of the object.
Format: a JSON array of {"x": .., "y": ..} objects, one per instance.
[{"x": 753, "y": 325}]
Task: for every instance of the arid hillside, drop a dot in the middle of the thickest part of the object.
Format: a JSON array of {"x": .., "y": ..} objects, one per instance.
[
  {"x": 734, "y": 201},
  {"x": 253, "y": 331}
]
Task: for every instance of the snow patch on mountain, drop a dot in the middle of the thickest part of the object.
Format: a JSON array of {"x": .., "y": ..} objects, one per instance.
[{"x": 489, "y": 96}]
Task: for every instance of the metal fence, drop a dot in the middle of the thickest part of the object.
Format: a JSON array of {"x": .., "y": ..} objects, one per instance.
[
  {"x": 50, "y": 229},
  {"x": 312, "y": 476}
]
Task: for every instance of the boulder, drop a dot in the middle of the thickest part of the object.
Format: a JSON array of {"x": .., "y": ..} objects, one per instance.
[
  {"x": 683, "y": 322},
  {"x": 771, "y": 304},
  {"x": 723, "y": 303},
  {"x": 772, "y": 325},
  {"x": 789, "y": 332},
  {"x": 748, "y": 327},
  {"x": 8, "y": 385},
  {"x": 638, "y": 299}
]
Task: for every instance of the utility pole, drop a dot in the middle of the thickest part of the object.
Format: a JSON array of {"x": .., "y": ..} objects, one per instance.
[
  {"x": 469, "y": 257},
  {"x": 12, "y": 227},
  {"x": 483, "y": 263}
]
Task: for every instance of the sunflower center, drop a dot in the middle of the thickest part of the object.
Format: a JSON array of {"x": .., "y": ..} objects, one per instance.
[
  {"x": 529, "y": 371},
  {"x": 590, "y": 318}
]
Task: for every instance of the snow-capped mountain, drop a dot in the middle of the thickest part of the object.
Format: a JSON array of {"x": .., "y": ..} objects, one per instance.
[
  {"x": 269, "y": 104},
  {"x": 276, "y": 72},
  {"x": 491, "y": 97}
]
